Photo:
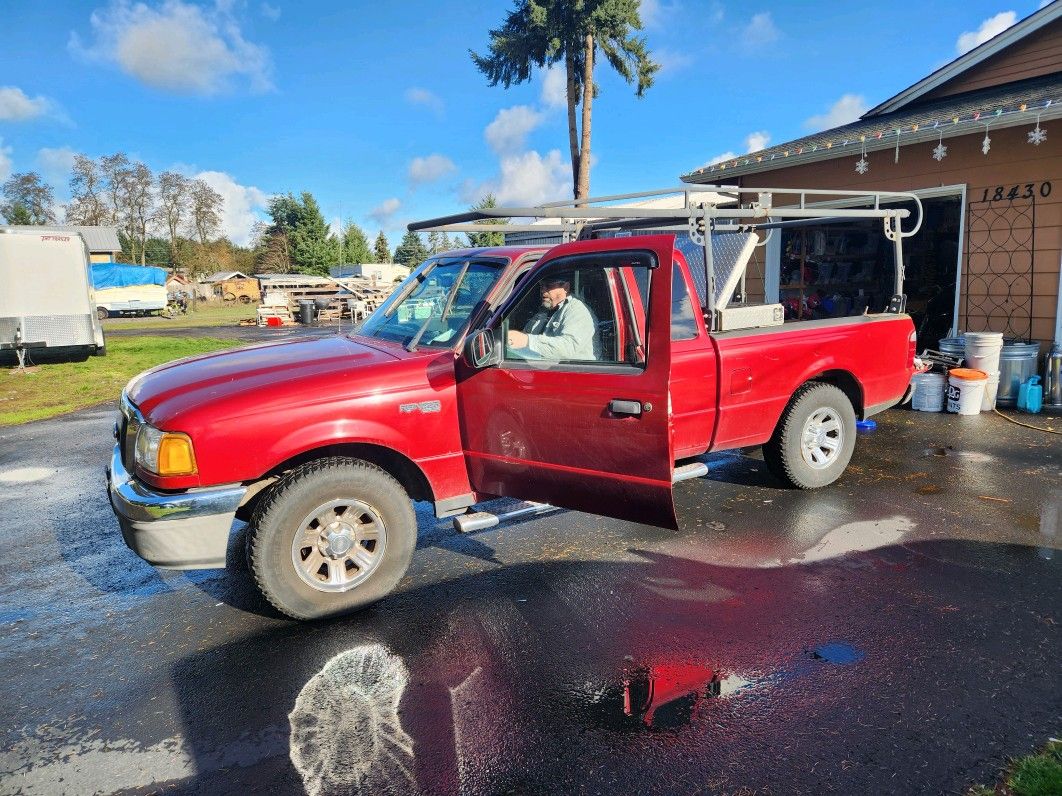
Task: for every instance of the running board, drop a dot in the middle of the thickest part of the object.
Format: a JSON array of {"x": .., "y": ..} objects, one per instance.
[
  {"x": 481, "y": 520},
  {"x": 688, "y": 471}
]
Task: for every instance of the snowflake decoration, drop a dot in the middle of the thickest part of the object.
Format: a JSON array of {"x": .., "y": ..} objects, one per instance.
[
  {"x": 940, "y": 151},
  {"x": 1037, "y": 135},
  {"x": 986, "y": 144},
  {"x": 862, "y": 165}
]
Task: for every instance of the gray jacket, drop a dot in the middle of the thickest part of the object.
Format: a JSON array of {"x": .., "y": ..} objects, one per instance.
[{"x": 568, "y": 333}]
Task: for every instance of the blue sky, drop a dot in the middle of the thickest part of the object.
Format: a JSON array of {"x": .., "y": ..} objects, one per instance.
[{"x": 376, "y": 108}]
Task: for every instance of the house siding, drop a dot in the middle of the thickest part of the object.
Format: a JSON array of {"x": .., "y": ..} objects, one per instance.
[{"x": 1011, "y": 161}]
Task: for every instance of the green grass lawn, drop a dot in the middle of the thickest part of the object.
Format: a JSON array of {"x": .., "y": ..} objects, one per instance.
[
  {"x": 1033, "y": 775},
  {"x": 208, "y": 314},
  {"x": 56, "y": 388}
]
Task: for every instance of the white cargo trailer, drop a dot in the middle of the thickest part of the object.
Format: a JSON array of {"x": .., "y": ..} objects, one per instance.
[{"x": 47, "y": 303}]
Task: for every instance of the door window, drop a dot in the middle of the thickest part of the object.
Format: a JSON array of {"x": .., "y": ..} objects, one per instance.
[
  {"x": 586, "y": 310},
  {"x": 683, "y": 319}
]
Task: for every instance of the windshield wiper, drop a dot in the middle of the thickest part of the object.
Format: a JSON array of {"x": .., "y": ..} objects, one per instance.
[
  {"x": 413, "y": 285},
  {"x": 412, "y": 344}
]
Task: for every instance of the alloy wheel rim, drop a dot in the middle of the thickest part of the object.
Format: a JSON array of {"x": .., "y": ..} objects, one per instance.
[
  {"x": 339, "y": 545},
  {"x": 822, "y": 438}
]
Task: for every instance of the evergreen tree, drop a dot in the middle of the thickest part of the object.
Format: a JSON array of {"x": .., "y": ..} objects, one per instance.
[
  {"x": 435, "y": 242},
  {"x": 356, "y": 245},
  {"x": 313, "y": 248},
  {"x": 480, "y": 239},
  {"x": 381, "y": 250},
  {"x": 445, "y": 243},
  {"x": 542, "y": 33},
  {"x": 411, "y": 251}
]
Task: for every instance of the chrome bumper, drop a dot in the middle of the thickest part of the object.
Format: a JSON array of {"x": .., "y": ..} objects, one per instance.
[{"x": 183, "y": 530}]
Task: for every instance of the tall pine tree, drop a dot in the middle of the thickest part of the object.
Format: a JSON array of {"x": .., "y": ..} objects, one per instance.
[
  {"x": 382, "y": 249},
  {"x": 356, "y": 245},
  {"x": 411, "y": 252},
  {"x": 313, "y": 247}
]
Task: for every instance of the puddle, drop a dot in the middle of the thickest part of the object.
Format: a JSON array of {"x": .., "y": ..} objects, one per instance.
[
  {"x": 852, "y": 537},
  {"x": 839, "y": 653},
  {"x": 969, "y": 456},
  {"x": 26, "y": 475}
]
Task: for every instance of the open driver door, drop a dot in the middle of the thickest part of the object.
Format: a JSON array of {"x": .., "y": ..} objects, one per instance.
[{"x": 548, "y": 414}]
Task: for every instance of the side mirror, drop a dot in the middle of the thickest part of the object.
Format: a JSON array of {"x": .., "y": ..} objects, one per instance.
[{"x": 482, "y": 350}]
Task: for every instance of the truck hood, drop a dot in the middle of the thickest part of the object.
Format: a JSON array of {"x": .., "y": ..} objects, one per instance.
[{"x": 251, "y": 375}]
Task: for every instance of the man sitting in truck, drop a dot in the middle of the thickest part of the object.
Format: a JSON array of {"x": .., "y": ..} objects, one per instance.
[{"x": 563, "y": 329}]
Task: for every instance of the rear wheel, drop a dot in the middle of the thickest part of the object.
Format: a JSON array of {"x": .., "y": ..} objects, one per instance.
[
  {"x": 101, "y": 313},
  {"x": 245, "y": 299},
  {"x": 815, "y": 438},
  {"x": 332, "y": 536}
]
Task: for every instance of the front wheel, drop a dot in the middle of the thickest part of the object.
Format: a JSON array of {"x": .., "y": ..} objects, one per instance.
[
  {"x": 332, "y": 536},
  {"x": 815, "y": 438}
]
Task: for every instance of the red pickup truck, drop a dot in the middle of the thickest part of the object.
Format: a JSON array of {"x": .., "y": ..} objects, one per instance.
[{"x": 321, "y": 445}]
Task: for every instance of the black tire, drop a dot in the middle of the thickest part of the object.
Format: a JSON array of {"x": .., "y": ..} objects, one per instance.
[
  {"x": 790, "y": 459},
  {"x": 245, "y": 299},
  {"x": 301, "y": 494},
  {"x": 101, "y": 313},
  {"x": 229, "y": 298}
]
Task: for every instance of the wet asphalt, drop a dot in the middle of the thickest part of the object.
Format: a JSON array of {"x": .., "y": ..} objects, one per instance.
[{"x": 897, "y": 632}]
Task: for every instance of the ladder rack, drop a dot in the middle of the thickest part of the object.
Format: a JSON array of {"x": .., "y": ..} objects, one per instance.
[{"x": 703, "y": 211}]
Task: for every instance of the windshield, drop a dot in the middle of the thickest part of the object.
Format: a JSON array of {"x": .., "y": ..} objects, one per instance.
[{"x": 432, "y": 307}]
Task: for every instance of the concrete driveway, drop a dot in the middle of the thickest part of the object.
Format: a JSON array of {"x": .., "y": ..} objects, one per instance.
[{"x": 897, "y": 632}]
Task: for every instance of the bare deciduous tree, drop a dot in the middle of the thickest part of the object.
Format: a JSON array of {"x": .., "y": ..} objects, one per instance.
[
  {"x": 138, "y": 206},
  {"x": 205, "y": 206},
  {"x": 88, "y": 201},
  {"x": 28, "y": 199},
  {"x": 173, "y": 205}
]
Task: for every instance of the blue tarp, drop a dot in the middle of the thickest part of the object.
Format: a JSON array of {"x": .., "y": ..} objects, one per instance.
[{"x": 106, "y": 275}]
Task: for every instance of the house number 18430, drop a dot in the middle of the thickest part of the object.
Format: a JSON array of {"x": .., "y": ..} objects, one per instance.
[{"x": 1028, "y": 191}]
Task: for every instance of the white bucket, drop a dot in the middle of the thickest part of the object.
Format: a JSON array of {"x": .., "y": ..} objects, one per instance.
[
  {"x": 988, "y": 403},
  {"x": 928, "y": 392},
  {"x": 982, "y": 351},
  {"x": 966, "y": 390}
]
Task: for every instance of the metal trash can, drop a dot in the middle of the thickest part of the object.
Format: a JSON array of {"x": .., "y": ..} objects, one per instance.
[
  {"x": 1017, "y": 362},
  {"x": 307, "y": 311}
]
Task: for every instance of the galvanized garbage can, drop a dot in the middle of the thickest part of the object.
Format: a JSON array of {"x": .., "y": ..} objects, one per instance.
[
  {"x": 307, "y": 311},
  {"x": 1017, "y": 362}
]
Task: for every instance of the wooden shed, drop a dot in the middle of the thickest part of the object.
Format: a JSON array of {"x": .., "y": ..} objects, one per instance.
[{"x": 234, "y": 286}]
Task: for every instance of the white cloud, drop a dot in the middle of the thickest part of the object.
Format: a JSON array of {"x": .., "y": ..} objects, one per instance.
[
  {"x": 421, "y": 96},
  {"x": 555, "y": 88},
  {"x": 525, "y": 179},
  {"x": 385, "y": 211},
  {"x": 430, "y": 169},
  {"x": 243, "y": 205},
  {"x": 15, "y": 106},
  {"x": 757, "y": 141},
  {"x": 56, "y": 164},
  {"x": 270, "y": 11},
  {"x": 845, "y": 111},
  {"x": 760, "y": 31},
  {"x": 179, "y": 47},
  {"x": 5, "y": 160},
  {"x": 754, "y": 142},
  {"x": 992, "y": 26},
  {"x": 510, "y": 128}
]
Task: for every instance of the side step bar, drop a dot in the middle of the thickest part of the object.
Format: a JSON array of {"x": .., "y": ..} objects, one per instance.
[{"x": 481, "y": 520}]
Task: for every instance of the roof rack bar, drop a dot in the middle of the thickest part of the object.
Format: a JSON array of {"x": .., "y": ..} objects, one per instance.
[{"x": 686, "y": 190}]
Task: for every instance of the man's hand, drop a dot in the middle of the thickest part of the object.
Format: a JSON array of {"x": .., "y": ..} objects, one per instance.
[{"x": 517, "y": 339}]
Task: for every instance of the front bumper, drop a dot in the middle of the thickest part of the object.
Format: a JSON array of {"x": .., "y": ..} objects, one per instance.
[{"x": 182, "y": 530}]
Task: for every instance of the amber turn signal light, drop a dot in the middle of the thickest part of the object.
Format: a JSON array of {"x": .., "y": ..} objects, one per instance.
[{"x": 176, "y": 456}]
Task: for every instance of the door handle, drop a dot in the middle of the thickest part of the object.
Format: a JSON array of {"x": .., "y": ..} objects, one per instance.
[{"x": 620, "y": 407}]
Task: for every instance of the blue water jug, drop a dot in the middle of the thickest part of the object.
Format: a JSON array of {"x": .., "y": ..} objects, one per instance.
[{"x": 1031, "y": 395}]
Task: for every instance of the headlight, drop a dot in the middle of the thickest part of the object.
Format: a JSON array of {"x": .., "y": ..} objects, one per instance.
[{"x": 164, "y": 452}]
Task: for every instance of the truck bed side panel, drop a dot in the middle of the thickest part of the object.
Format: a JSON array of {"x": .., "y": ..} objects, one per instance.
[{"x": 759, "y": 370}]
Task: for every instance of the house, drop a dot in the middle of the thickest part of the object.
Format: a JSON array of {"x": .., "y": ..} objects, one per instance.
[
  {"x": 102, "y": 242},
  {"x": 980, "y": 143}
]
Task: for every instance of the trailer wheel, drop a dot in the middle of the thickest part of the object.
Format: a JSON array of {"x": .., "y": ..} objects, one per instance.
[
  {"x": 101, "y": 313},
  {"x": 331, "y": 537},
  {"x": 815, "y": 437},
  {"x": 229, "y": 298},
  {"x": 245, "y": 299}
]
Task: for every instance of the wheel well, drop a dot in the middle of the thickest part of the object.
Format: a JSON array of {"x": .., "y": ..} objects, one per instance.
[
  {"x": 402, "y": 469},
  {"x": 846, "y": 383}
]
